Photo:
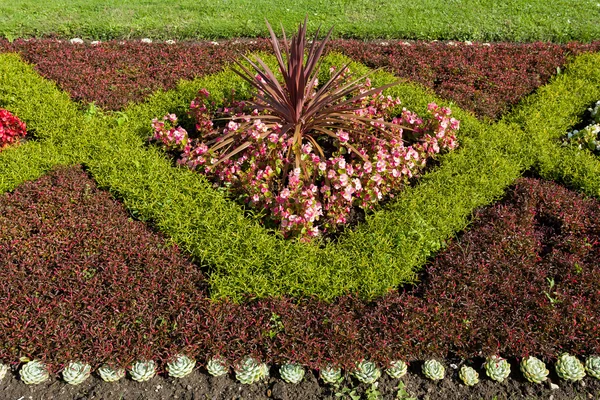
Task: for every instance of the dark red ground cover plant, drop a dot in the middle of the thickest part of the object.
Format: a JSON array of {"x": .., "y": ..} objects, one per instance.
[
  {"x": 80, "y": 280},
  {"x": 112, "y": 74},
  {"x": 487, "y": 80}
]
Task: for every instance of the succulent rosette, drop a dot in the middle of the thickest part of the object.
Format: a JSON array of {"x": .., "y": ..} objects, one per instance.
[
  {"x": 497, "y": 368},
  {"x": 534, "y": 370},
  {"x": 569, "y": 368},
  {"x": 142, "y": 371},
  {"x": 217, "y": 366},
  {"x": 433, "y": 370},
  {"x": 468, "y": 375},
  {"x": 592, "y": 364},
  {"x": 292, "y": 373},
  {"x": 34, "y": 372},
  {"x": 331, "y": 374},
  {"x": 3, "y": 370},
  {"x": 367, "y": 372},
  {"x": 109, "y": 374},
  {"x": 180, "y": 366},
  {"x": 76, "y": 372},
  {"x": 250, "y": 371},
  {"x": 397, "y": 369}
]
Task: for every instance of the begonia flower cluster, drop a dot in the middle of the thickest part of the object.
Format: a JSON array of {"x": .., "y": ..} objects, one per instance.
[{"x": 11, "y": 128}]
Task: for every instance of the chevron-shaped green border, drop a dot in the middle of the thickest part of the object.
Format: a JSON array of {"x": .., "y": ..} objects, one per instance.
[{"x": 244, "y": 259}]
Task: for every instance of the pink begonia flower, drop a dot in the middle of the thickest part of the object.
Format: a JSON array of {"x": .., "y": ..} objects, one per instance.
[
  {"x": 343, "y": 179},
  {"x": 348, "y": 193},
  {"x": 343, "y": 136}
]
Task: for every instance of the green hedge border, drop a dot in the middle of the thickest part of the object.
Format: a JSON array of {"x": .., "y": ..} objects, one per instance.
[{"x": 244, "y": 259}]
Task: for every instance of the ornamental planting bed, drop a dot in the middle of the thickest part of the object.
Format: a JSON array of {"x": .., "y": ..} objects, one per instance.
[{"x": 111, "y": 253}]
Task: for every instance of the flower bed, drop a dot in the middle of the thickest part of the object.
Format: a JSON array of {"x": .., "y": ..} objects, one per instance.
[
  {"x": 537, "y": 249},
  {"x": 492, "y": 157},
  {"x": 544, "y": 236}
]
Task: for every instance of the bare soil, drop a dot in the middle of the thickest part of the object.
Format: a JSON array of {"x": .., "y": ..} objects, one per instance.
[{"x": 200, "y": 385}]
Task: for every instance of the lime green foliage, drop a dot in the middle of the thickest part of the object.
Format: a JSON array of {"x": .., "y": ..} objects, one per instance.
[
  {"x": 483, "y": 20},
  {"x": 553, "y": 111},
  {"x": 245, "y": 259},
  {"x": 52, "y": 118}
]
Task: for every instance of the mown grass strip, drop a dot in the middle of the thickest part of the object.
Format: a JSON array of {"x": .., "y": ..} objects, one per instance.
[{"x": 483, "y": 20}]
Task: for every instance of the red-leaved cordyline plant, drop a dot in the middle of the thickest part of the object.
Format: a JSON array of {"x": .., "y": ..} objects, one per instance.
[
  {"x": 308, "y": 154},
  {"x": 11, "y": 128},
  {"x": 294, "y": 106}
]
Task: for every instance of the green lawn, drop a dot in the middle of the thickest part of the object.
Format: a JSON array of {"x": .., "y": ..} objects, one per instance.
[{"x": 477, "y": 20}]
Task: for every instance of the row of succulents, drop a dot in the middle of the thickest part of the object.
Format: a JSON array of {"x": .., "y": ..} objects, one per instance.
[{"x": 249, "y": 370}]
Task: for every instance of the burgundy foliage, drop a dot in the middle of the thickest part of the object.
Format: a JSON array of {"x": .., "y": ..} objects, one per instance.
[
  {"x": 112, "y": 74},
  {"x": 79, "y": 279},
  {"x": 487, "y": 80}
]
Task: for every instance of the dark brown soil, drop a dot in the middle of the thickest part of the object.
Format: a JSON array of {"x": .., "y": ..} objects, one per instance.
[{"x": 200, "y": 385}]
